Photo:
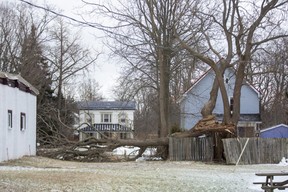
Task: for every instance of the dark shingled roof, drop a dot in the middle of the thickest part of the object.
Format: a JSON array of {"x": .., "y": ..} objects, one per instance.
[{"x": 106, "y": 105}]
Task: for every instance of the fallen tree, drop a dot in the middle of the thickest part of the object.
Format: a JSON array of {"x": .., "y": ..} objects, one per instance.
[
  {"x": 61, "y": 144},
  {"x": 99, "y": 150}
]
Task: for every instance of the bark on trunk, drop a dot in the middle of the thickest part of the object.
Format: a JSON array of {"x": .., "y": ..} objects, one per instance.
[
  {"x": 210, "y": 105},
  {"x": 164, "y": 94},
  {"x": 237, "y": 93},
  {"x": 60, "y": 66},
  {"x": 218, "y": 84}
]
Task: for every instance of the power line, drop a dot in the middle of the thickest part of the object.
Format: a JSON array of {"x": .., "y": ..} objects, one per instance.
[{"x": 60, "y": 15}]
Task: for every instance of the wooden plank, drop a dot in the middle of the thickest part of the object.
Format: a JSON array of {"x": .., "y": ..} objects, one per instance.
[
  {"x": 258, "y": 150},
  {"x": 190, "y": 148}
]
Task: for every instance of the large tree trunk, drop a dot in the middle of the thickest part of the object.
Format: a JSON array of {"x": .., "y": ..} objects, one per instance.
[
  {"x": 227, "y": 113},
  {"x": 218, "y": 84},
  {"x": 210, "y": 105},
  {"x": 237, "y": 93},
  {"x": 164, "y": 97},
  {"x": 60, "y": 68}
]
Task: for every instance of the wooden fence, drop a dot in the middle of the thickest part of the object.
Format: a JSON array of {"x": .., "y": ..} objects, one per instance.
[
  {"x": 255, "y": 150},
  {"x": 191, "y": 149}
]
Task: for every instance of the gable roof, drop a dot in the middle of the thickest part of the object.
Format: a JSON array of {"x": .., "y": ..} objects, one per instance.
[
  {"x": 199, "y": 79},
  {"x": 106, "y": 105},
  {"x": 13, "y": 80},
  {"x": 274, "y": 127},
  {"x": 203, "y": 76}
]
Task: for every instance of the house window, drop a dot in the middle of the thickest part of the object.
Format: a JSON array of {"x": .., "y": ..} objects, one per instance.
[
  {"x": 10, "y": 119},
  {"x": 258, "y": 126},
  {"x": 231, "y": 103},
  {"x": 106, "y": 118},
  {"x": 22, "y": 121},
  {"x": 226, "y": 79},
  {"x": 122, "y": 118},
  {"x": 89, "y": 118},
  {"x": 123, "y": 136}
]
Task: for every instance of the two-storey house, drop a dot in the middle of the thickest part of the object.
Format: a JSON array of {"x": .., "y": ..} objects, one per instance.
[
  {"x": 198, "y": 94},
  {"x": 106, "y": 119}
]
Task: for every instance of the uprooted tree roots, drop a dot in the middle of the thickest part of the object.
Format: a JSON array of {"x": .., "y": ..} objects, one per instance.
[{"x": 95, "y": 150}]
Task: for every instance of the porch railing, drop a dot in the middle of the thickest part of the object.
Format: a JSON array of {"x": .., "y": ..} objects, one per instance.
[{"x": 100, "y": 127}]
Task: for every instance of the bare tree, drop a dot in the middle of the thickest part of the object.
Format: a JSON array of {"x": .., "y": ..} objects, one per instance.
[
  {"x": 33, "y": 66},
  {"x": 15, "y": 27},
  {"x": 268, "y": 73},
  {"x": 143, "y": 36},
  {"x": 23, "y": 49},
  {"x": 67, "y": 56},
  {"x": 234, "y": 30},
  {"x": 89, "y": 90},
  {"x": 7, "y": 38}
]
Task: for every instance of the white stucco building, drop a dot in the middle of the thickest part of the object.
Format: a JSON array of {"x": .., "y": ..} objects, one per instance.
[
  {"x": 17, "y": 117},
  {"x": 112, "y": 119}
]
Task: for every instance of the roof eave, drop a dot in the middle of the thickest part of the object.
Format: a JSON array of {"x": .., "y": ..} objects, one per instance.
[{"x": 19, "y": 78}]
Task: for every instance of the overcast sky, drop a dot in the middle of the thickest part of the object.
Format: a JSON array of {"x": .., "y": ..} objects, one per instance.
[{"x": 106, "y": 71}]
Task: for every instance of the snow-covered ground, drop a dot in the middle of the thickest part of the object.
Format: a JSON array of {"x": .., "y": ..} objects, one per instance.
[
  {"x": 41, "y": 174},
  {"x": 127, "y": 151}
]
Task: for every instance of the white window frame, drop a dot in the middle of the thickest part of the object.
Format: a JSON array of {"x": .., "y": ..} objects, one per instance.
[
  {"x": 22, "y": 121},
  {"x": 123, "y": 118},
  {"x": 10, "y": 119},
  {"x": 106, "y": 116}
]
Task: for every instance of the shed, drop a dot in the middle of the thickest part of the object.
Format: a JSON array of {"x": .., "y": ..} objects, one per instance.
[
  {"x": 277, "y": 131},
  {"x": 17, "y": 117}
]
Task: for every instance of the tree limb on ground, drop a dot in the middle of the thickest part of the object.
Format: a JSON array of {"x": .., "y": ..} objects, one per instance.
[{"x": 99, "y": 150}]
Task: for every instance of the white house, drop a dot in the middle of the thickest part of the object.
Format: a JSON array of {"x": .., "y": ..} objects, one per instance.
[
  {"x": 198, "y": 94},
  {"x": 112, "y": 119},
  {"x": 17, "y": 117}
]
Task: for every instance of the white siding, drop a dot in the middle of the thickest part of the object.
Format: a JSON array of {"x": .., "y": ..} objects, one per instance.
[
  {"x": 115, "y": 119},
  {"x": 97, "y": 115},
  {"x": 15, "y": 143}
]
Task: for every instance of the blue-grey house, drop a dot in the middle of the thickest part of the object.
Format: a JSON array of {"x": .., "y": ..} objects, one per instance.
[
  {"x": 278, "y": 131},
  {"x": 198, "y": 94}
]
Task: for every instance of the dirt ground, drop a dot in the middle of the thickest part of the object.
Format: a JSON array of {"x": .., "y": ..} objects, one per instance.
[{"x": 33, "y": 174}]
